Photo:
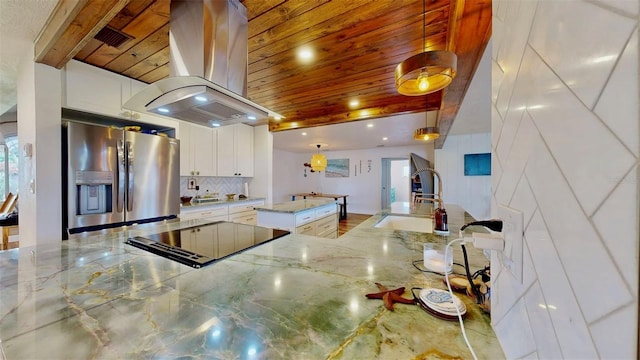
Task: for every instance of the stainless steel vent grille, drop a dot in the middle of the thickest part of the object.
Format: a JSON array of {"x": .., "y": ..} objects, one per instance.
[
  {"x": 222, "y": 111},
  {"x": 112, "y": 37}
]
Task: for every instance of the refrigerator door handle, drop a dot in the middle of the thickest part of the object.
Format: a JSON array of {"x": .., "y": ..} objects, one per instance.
[
  {"x": 130, "y": 157},
  {"x": 120, "y": 176}
]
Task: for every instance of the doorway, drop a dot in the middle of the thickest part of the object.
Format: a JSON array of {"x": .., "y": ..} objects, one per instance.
[{"x": 395, "y": 181}]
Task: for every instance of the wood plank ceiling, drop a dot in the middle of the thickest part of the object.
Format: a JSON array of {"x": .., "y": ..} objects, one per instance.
[{"x": 356, "y": 45}]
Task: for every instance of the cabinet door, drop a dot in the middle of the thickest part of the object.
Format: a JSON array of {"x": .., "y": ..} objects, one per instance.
[
  {"x": 197, "y": 150},
  {"x": 203, "y": 144},
  {"x": 308, "y": 229},
  {"x": 235, "y": 150},
  {"x": 327, "y": 227},
  {"x": 247, "y": 217},
  {"x": 244, "y": 150},
  {"x": 91, "y": 89},
  {"x": 226, "y": 153},
  {"x": 186, "y": 163}
]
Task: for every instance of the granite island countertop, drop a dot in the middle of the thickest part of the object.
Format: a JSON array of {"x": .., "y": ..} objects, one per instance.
[
  {"x": 212, "y": 203},
  {"x": 296, "y": 297},
  {"x": 295, "y": 206}
]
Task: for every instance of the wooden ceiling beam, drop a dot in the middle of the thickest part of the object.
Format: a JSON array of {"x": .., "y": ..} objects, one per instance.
[
  {"x": 473, "y": 33},
  {"x": 71, "y": 26},
  {"x": 396, "y": 108}
]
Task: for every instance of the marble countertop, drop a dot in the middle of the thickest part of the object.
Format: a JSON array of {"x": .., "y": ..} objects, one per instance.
[
  {"x": 296, "y": 297},
  {"x": 295, "y": 206},
  {"x": 200, "y": 205}
]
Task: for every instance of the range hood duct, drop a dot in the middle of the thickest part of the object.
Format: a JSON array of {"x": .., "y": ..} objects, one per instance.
[{"x": 208, "y": 67}]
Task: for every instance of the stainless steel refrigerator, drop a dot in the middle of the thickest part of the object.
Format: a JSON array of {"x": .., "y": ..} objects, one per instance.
[{"x": 115, "y": 177}]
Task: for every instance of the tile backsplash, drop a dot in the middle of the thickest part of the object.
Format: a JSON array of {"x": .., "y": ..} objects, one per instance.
[
  {"x": 221, "y": 185},
  {"x": 565, "y": 153}
]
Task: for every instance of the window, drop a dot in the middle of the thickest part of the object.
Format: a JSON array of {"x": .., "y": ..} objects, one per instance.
[{"x": 9, "y": 166}]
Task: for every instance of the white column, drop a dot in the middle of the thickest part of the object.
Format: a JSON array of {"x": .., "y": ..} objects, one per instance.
[
  {"x": 39, "y": 127},
  {"x": 261, "y": 185}
]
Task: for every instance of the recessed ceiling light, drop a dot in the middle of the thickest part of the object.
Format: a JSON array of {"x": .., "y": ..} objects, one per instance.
[
  {"x": 277, "y": 118},
  {"x": 305, "y": 54},
  {"x": 163, "y": 110},
  {"x": 251, "y": 117},
  {"x": 354, "y": 104},
  {"x": 304, "y": 134},
  {"x": 385, "y": 138},
  {"x": 369, "y": 125},
  {"x": 201, "y": 98}
]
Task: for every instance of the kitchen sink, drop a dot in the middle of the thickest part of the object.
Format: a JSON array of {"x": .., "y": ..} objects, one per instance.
[{"x": 406, "y": 223}]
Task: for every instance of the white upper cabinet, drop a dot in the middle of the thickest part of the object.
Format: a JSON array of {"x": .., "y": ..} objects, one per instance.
[
  {"x": 197, "y": 150},
  {"x": 98, "y": 91},
  {"x": 92, "y": 89},
  {"x": 235, "y": 150}
]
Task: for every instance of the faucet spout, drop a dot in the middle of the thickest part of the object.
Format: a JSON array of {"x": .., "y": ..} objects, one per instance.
[{"x": 439, "y": 199}]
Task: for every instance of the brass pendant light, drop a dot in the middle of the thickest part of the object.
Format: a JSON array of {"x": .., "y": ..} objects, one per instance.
[
  {"x": 318, "y": 161},
  {"x": 427, "y": 133},
  {"x": 428, "y": 71}
]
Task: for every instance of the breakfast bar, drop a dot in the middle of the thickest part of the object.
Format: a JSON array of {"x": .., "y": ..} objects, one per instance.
[{"x": 295, "y": 297}]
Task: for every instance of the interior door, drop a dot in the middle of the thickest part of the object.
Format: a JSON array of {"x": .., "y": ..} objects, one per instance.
[{"x": 395, "y": 182}]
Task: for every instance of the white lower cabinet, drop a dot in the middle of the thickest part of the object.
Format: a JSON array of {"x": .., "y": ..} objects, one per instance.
[
  {"x": 215, "y": 213},
  {"x": 327, "y": 227},
  {"x": 242, "y": 212},
  {"x": 245, "y": 213},
  {"x": 321, "y": 221}
]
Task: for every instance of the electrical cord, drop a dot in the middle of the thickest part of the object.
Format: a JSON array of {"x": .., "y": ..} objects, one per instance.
[
  {"x": 416, "y": 262},
  {"x": 446, "y": 276},
  {"x": 474, "y": 287}
]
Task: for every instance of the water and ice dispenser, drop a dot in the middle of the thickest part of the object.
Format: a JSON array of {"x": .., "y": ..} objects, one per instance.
[{"x": 94, "y": 192}]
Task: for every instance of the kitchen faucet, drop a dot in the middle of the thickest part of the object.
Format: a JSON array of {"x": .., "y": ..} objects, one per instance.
[
  {"x": 439, "y": 195},
  {"x": 440, "y": 213}
]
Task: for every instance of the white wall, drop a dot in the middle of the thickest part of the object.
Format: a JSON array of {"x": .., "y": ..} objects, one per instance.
[
  {"x": 362, "y": 185},
  {"x": 565, "y": 152},
  {"x": 40, "y": 200},
  {"x": 473, "y": 193}
]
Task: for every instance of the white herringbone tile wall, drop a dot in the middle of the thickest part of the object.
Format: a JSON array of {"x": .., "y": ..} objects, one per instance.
[
  {"x": 565, "y": 147},
  {"x": 220, "y": 185}
]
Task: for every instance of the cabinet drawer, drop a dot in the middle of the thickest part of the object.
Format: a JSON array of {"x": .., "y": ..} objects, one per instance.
[
  {"x": 216, "y": 218},
  {"x": 238, "y": 208},
  {"x": 305, "y": 217},
  {"x": 327, "y": 210},
  {"x": 203, "y": 213},
  {"x": 220, "y": 211},
  {"x": 326, "y": 226},
  {"x": 249, "y": 217},
  {"x": 308, "y": 229}
]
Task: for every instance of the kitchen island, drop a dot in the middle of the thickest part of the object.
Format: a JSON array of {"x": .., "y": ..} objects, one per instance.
[
  {"x": 295, "y": 297},
  {"x": 308, "y": 217}
]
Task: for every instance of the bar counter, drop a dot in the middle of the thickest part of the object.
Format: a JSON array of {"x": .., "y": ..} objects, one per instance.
[{"x": 296, "y": 297}]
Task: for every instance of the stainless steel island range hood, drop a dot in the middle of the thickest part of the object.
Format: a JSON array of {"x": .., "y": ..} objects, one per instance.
[{"x": 208, "y": 67}]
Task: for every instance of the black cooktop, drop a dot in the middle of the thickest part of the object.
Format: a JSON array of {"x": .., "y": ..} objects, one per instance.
[{"x": 201, "y": 245}]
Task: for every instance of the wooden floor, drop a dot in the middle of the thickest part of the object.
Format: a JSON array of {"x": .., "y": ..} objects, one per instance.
[{"x": 350, "y": 222}]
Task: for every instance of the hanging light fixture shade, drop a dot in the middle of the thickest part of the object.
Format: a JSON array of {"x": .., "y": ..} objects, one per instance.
[
  {"x": 426, "y": 72},
  {"x": 318, "y": 161},
  {"x": 427, "y": 133}
]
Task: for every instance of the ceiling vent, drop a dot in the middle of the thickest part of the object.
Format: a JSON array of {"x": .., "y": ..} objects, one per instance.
[{"x": 112, "y": 37}]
